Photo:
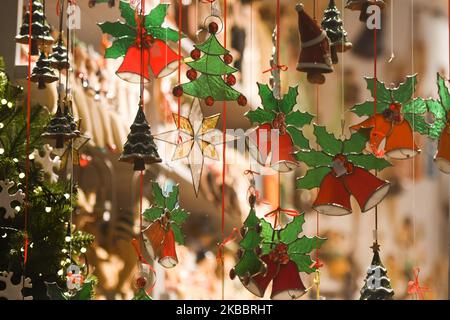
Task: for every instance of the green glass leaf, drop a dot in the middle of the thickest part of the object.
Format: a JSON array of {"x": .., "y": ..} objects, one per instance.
[
  {"x": 303, "y": 263},
  {"x": 251, "y": 240},
  {"x": 292, "y": 229},
  {"x": 383, "y": 93},
  {"x": 305, "y": 245},
  {"x": 214, "y": 86},
  {"x": 266, "y": 234},
  {"x": 443, "y": 92},
  {"x": 417, "y": 106},
  {"x": 369, "y": 161},
  {"x": 314, "y": 158},
  {"x": 419, "y": 124},
  {"x": 252, "y": 220},
  {"x": 117, "y": 29},
  {"x": 119, "y": 48},
  {"x": 298, "y": 138},
  {"x": 260, "y": 116},
  {"x": 179, "y": 216},
  {"x": 298, "y": 119},
  {"x": 327, "y": 141},
  {"x": 313, "y": 178},
  {"x": 289, "y": 100},
  {"x": 436, "y": 108},
  {"x": 86, "y": 292},
  {"x": 141, "y": 295},
  {"x": 178, "y": 234},
  {"x": 356, "y": 143},
  {"x": 164, "y": 34},
  {"x": 268, "y": 101},
  {"x": 212, "y": 47},
  {"x": 172, "y": 198},
  {"x": 153, "y": 213},
  {"x": 405, "y": 90},
  {"x": 211, "y": 65},
  {"x": 128, "y": 13},
  {"x": 367, "y": 108},
  {"x": 158, "y": 195},
  {"x": 156, "y": 17},
  {"x": 248, "y": 265}
]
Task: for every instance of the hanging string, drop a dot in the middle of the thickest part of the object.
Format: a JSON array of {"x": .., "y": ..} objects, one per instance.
[
  {"x": 141, "y": 105},
  {"x": 342, "y": 80},
  {"x": 180, "y": 26},
  {"x": 414, "y": 137},
  {"x": 375, "y": 102},
  {"x": 224, "y": 154},
  {"x": 392, "y": 32},
  {"x": 277, "y": 66}
]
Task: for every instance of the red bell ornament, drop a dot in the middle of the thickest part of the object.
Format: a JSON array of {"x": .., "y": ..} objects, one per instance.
[
  {"x": 315, "y": 55},
  {"x": 287, "y": 284},
  {"x": 333, "y": 198},
  {"x": 130, "y": 69},
  {"x": 443, "y": 155},
  {"x": 168, "y": 257},
  {"x": 259, "y": 283},
  {"x": 163, "y": 60}
]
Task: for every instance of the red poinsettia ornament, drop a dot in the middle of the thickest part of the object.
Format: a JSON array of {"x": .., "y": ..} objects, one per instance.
[
  {"x": 398, "y": 113},
  {"x": 166, "y": 218},
  {"x": 341, "y": 170},
  {"x": 274, "y": 141},
  {"x": 142, "y": 37}
]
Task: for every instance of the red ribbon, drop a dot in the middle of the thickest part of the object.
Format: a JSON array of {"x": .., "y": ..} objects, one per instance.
[
  {"x": 141, "y": 259},
  {"x": 414, "y": 287},
  {"x": 276, "y": 213},
  {"x": 221, "y": 246},
  {"x": 207, "y": 1},
  {"x": 281, "y": 67},
  {"x": 316, "y": 264},
  {"x": 25, "y": 250}
]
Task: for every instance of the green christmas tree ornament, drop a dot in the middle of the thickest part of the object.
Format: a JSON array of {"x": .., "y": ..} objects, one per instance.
[
  {"x": 341, "y": 170},
  {"x": 216, "y": 78},
  {"x": 377, "y": 285}
]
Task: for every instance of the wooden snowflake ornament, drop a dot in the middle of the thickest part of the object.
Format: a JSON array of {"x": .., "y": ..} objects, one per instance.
[
  {"x": 7, "y": 199},
  {"x": 47, "y": 163},
  {"x": 14, "y": 291}
]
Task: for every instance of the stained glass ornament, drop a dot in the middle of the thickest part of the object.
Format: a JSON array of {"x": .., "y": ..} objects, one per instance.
[
  {"x": 341, "y": 169},
  {"x": 143, "y": 282},
  {"x": 195, "y": 139},
  {"x": 85, "y": 292},
  {"x": 210, "y": 85},
  {"x": 439, "y": 126},
  {"x": 40, "y": 31},
  {"x": 274, "y": 141},
  {"x": 362, "y": 5},
  {"x": 285, "y": 255},
  {"x": 43, "y": 72},
  {"x": 159, "y": 59},
  {"x": 398, "y": 114},
  {"x": 333, "y": 26},
  {"x": 165, "y": 217},
  {"x": 315, "y": 54},
  {"x": 249, "y": 262},
  {"x": 377, "y": 285}
]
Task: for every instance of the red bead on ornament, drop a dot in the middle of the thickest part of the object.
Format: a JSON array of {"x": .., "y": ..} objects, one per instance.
[
  {"x": 191, "y": 74},
  {"x": 177, "y": 91},
  {"x": 242, "y": 100},
  {"x": 231, "y": 80},
  {"x": 141, "y": 282},
  {"x": 209, "y": 101},
  {"x": 213, "y": 28},
  {"x": 195, "y": 54},
  {"x": 228, "y": 58}
]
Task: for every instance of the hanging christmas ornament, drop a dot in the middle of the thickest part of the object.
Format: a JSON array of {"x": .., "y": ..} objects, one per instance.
[
  {"x": 43, "y": 72},
  {"x": 40, "y": 31},
  {"x": 285, "y": 255},
  {"x": 85, "y": 291},
  {"x": 47, "y": 163},
  {"x": 111, "y": 3},
  {"x": 58, "y": 58},
  {"x": 341, "y": 170},
  {"x": 398, "y": 113},
  {"x": 362, "y": 5},
  {"x": 249, "y": 262},
  {"x": 438, "y": 128},
  {"x": 315, "y": 57},
  {"x": 415, "y": 289},
  {"x": 13, "y": 291},
  {"x": 146, "y": 32},
  {"x": 8, "y": 200},
  {"x": 165, "y": 217},
  {"x": 140, "y": 149},
  {"x": 377, "y": 285},
  {"x": 279, "y": 129},
  {"x": 59, "y": 128},
  {"x": 333, "y": 26},
  {"x": 210, "y": 84},
  {"x": 143, "y": 282},
  {"x": 196, "y": 139}
]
